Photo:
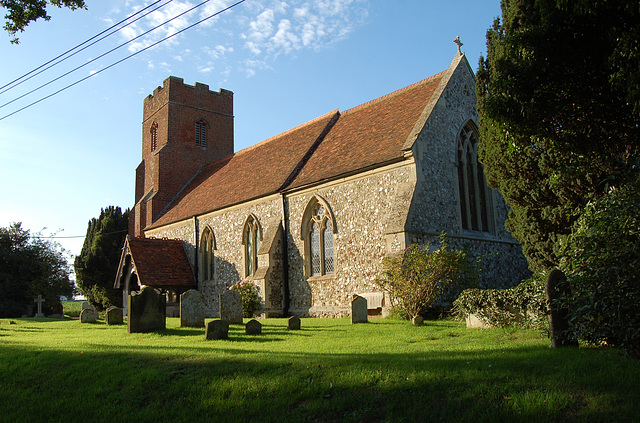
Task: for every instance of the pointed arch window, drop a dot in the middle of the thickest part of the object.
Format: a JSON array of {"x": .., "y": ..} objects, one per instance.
[
  {"x": 154, "y": 136},
  {"x": 207, "y": 247},
  {"x": 475, "y": 199},
  {"x": 317, "y": 230},
  {"x": 251, "y": 240},
  {"x": 201, "y": 134}
]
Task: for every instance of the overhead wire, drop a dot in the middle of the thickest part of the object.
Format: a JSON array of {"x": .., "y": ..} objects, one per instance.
[
  {"x": 62, "y": 57},
  {"x": 99, "y": 57}
]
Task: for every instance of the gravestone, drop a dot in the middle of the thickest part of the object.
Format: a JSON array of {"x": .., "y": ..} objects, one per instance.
[
  {"x": 147, "y": 310},
  {"x": 293, "y": 323},
  {"x": 114, "y": 316},
  {"x": 39, "y": 300},
  {"x": 417, "y": 320},
  {"x": 217, "y": 329},
  {"x": 84, "y": 305},
  {"x": 253, "y": 327},
  {"x": 231, "y": 306},
  {"x": 192, "y": 309},
  {"x": 89, "y": 315},
  {"x": 359, "y": 309},
  {"x": 555, "y": 287}
]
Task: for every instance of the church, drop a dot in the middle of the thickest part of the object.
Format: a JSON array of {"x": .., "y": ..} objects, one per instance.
[{"x": 308, "y": 215}]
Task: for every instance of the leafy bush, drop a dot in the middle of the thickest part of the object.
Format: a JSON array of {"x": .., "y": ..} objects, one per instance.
[
  {"x": 602, "y": 262},
  {"x": 418, "y": 277},
  {"x": 521, "y": 306},
  {"x": 250, "y": 297}
]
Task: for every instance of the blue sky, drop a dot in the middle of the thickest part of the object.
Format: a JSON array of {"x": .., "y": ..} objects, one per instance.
[{"x": 287, "y": 62}]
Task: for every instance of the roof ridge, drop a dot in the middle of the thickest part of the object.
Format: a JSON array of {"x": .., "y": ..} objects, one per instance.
[
  {"x": 295, "y": 128},
  {"x": 393, "y": 93}
]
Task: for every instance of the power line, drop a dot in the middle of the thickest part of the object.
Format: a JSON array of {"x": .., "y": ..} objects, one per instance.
[
  {"x": 110, "y": 51},
  {"x": 76, "y": 236},
  {"x": 24, "y": 78}
]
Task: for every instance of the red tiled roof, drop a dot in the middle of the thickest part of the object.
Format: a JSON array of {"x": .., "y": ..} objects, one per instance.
[
  {"x": 161, "y": 262},
  {"x": 254, "y": 172},
  {"x": 370, "y": 134},
  {"x": 327, "y": 147}
]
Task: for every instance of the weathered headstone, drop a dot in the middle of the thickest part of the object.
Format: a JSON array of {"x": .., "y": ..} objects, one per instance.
[
  {"x": 293, "y": 323},
  {"x": 192, "y": 309},
  {"x": 253, "y": 327},
  {"x": 114, "y": 316},
  {"x": 417, "y": 320},
  {"x": 88, "y": 315},
  {"x": 39, "y": 300},
  {"x": 231, "y": 306},
  {"x": 217, "y": 329},
  {"x": 359, "y": 309},
  {"x": 84, "y": 305},
  {"x": 147, "y": 310},
  {"x": 555, "y": 287}
]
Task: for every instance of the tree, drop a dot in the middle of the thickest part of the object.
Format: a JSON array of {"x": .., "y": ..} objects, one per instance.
[
  {"x": 97, "y": 263},
  {"x": 557, "y": 116},
  {"x": 31, "y": 266},
  {"x": 21, "y": 13}
]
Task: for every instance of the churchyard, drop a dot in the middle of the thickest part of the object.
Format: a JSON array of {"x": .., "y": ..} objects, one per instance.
[{"x": 328, "y": 370}]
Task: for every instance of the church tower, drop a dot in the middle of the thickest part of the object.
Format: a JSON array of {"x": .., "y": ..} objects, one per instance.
[{"x": 183, "y": 128}]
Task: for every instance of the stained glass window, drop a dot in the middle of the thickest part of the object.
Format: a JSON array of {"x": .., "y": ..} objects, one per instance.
[{"x": 475, "y": 204}]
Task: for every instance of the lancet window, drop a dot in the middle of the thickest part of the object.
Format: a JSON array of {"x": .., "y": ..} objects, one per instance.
[
  {"x": 251, "y": 241},
  {"x": 318, "y": 229},
  {"x": 207, "y": 246}
]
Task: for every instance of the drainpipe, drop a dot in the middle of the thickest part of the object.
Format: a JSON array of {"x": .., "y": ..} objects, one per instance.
[
  {"x": 195, "y": 261},
  {"x": 285, "y": 257}
]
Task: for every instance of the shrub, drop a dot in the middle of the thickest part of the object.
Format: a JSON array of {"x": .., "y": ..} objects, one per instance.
[
  {"x": 250, "y": 297},
  {"x": 521, "y": 306},
  {"x": 601, "y": 259},
  {"x": 418, "y": 277}
]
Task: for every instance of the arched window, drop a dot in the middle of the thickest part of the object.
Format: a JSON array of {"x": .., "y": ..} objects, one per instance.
[
  {"x": 201, "y": 134},
  {"x": 317, "y": 230},
  {"x": 475, "y": 199},
  {"x": 154, "y": 136},
  {"x": 207, "y": 246},
  {"x": 251, "y": 240}
]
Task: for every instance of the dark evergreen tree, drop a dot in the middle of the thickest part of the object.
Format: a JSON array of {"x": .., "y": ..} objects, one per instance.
[
  {"x": 31, "y": 266},
  {"x": 97, "y": 263},
  {"x": 556, "y": 102}
]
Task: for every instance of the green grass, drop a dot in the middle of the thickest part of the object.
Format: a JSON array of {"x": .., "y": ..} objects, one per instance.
[
  {"x": 72, "y": 308},
  {"x": 386, "y": 370}
]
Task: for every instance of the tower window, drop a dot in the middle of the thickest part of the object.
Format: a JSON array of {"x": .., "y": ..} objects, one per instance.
[
  {"x": 201, "y": 134},
  {"x": 154, "y": 136}
]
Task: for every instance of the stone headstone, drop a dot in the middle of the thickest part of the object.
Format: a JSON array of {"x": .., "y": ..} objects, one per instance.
[
  {"x": 84, "y": 305},
  {"x": 359, "y": 309},
  {"x": 192, "y": 309},
  {"x": 417, "y": 320},
  {"x": 253, "y": 327},
  {"x": 217, "y": 329},
  {"x": 88, "y": 315},
  {"x": 555, "y": 287},
  {"x": 231, "y": 306},
  {"x": 39, "y": 300},
  {"x": 147, "y": 310},
  {"x": 293, "y": 323},
  {"x": 114, "y": 316}
]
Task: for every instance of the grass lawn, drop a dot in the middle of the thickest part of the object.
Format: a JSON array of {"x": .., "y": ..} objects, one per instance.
[{"x": 385, "y": 370}]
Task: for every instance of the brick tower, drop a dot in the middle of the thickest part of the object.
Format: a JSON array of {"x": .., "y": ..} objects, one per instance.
[{"x": 183, "y": 128}]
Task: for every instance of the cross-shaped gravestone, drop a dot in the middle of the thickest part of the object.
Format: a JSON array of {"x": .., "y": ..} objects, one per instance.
[{"x": 39, "y": 300}]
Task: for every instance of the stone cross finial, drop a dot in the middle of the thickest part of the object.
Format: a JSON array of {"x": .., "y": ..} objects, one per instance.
[{"x": 458, "y": 43}]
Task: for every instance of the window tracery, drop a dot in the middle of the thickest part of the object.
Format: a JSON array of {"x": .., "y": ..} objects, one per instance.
[
  {"x": 251, "y": 240},
  {"x": 207, "y": 246}
]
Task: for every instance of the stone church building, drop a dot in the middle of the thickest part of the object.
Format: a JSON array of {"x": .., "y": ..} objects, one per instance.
[{"x": 309, "y": 214}]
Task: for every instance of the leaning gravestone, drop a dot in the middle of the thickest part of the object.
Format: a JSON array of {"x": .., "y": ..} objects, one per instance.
[
  {"x": 555, "y": 287},
  {"x": 217, "y": 329},
  {"x": 88, "y": 315},
  {"x": 293, "y": 323},
  {"x": 147, "y": 311},
  {"x": 359, "y": 309},
  {"x": 192, "y": 309},
  {"x": 231, "y": 306},
  {"x": 114, "y": 316},
  {"x": 253, "y": 327}
]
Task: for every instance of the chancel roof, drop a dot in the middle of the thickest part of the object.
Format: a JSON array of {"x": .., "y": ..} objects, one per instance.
[
  {"x": 160, "y": 263},
  {"x": 328, "y": 147}
]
